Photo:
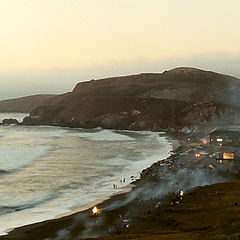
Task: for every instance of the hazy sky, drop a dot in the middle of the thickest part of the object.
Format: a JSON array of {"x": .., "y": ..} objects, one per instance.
[{"x": 47, "y": 46}]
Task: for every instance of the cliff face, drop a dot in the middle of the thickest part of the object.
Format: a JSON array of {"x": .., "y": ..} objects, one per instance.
[
  {"x": 173, "y": 99},
  {"x": 24, "y": 104}
]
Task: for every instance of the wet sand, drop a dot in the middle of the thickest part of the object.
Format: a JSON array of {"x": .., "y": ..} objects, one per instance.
[{"x": 81, "y": 208}]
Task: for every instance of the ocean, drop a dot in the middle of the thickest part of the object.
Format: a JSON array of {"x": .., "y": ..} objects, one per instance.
[{"x": 47, "y": 172}]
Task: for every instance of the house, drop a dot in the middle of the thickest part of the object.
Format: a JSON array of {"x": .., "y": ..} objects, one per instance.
[{"x": 225, "y": 137}]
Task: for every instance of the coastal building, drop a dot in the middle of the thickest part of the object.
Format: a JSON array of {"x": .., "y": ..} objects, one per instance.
[{"x": 225, "y": 137}]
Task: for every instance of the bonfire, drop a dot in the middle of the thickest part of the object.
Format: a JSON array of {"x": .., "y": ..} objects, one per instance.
[{"x": 95, "y": 211}]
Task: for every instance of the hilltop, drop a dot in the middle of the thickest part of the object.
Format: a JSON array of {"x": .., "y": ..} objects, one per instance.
[{"x": 172, "y": 99}]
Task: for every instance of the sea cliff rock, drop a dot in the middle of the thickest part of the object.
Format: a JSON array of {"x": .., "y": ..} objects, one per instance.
[{"x": 10, "y": 121}]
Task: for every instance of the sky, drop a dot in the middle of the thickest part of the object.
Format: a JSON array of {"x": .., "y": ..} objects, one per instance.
[{"x": 47, "y": 46}]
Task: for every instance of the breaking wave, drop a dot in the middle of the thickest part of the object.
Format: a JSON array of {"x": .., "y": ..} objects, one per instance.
[{"x": 13, "y": 158}]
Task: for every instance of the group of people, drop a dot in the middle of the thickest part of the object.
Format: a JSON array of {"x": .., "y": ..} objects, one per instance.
[
  {"x": 123, "y": 180},
  {"x": 115, "y": 186}
]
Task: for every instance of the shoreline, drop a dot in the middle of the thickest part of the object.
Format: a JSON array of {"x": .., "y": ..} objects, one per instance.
[
  {"x": 81, "y": 209},
  {"x": 28, "y": 232},
  {"x": 128, "y": 215},
  {"x": 50, "y": 228},
  {"x": 123, "y": 190}
]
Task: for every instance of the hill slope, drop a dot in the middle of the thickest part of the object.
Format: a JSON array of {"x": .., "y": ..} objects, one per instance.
[
  {"x": 173, "y": 99},
  {"x": 24, "y": 104}
]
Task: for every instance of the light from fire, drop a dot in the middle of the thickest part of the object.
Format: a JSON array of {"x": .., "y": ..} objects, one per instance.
[
  {"x": 181, "y": 193},
  {"x": 228, "y": 156},
  {"x": 96, "y": 211}
]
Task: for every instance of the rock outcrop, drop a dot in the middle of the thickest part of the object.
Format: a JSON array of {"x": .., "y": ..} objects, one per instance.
[
  {"x": 174, "y": 99},
  {"x": 10, "y": 121}
]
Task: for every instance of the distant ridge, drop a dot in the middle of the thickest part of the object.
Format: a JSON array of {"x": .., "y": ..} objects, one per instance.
[{"x": 24, "y": 104}]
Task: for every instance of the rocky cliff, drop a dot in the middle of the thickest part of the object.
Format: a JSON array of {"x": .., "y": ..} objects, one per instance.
[{"x": 173, "y": 99}]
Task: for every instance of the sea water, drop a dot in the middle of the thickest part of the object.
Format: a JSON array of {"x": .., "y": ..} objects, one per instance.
[{"x": 46, "y": 171}]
